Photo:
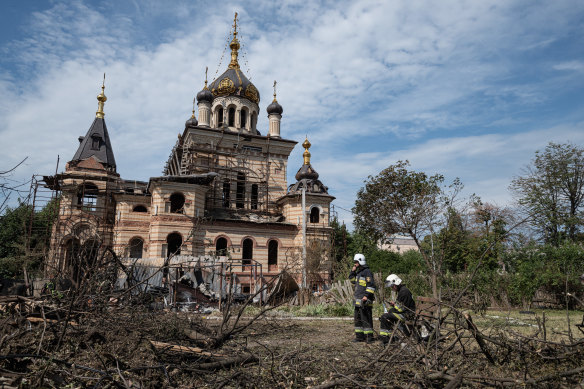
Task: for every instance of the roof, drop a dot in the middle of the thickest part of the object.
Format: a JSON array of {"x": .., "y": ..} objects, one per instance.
[{"x": 96, "y": 143}]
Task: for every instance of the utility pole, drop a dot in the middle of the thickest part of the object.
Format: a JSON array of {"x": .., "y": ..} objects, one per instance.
[{"x": 304, "y": 238}]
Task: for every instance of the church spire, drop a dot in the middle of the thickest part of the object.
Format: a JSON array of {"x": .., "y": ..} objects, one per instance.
[
  {"x": 101, "y": 98},
  {"x": 234, "y": 45},
  {"x": 306, "y": 153}
]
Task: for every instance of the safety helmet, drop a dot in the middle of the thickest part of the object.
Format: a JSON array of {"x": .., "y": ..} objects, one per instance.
[
  {"x": 359, "y": 258},
  {"x": 392, "y": 280}
]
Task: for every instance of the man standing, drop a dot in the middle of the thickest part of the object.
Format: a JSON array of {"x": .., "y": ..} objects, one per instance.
[
  {"x": 402, "y": 309},
  {"x": 364, "y": 295}
]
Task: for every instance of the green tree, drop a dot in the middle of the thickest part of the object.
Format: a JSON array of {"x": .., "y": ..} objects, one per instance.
[
  {"x": 551, "y": 191},
  {"x": 403, "y": 201}
]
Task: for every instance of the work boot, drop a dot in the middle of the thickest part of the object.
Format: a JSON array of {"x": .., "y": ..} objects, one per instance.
[
  {"x": 359, "y": 338},
  {"x": 370, "y": 339},
  {"x": 383, "y": 339}
]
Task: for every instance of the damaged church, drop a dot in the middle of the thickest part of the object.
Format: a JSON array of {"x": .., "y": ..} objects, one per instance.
[{"x": 222, "y": 203}]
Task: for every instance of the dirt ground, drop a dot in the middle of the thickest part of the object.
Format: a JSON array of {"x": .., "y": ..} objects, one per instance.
[{"x": 136, "y": 348}]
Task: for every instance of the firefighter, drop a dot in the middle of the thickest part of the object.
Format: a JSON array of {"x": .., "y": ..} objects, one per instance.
[
  {"x": 401, "y": 310},
  {"x": 364, "y": 295}
]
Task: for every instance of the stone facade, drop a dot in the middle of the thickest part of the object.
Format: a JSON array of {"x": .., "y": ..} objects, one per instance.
[{"x": 224, "y": 193}]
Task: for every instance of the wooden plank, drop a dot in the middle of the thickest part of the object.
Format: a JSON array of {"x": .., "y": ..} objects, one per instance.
[{"x": 184, "y": 349}]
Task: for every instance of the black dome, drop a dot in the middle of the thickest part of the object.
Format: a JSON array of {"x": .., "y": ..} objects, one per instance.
[
  {"x": 234, "y": 83},
  {"x": 275, "y": 108},
  {"x": 205, "y": 95},
  {"x": 192, "y": 122}
]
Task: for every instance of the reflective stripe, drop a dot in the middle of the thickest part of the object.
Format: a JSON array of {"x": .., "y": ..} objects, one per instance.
[
  {"x": 359, "y": 330},
  {"x": 368, "y": 331},
  {"x": 399, "y": 317},
  {"x": 358, "y": 303},
  {"x": 362, "y": 282},
  {"x": 370, "y": 290},
  {"x": 384, "y": 333}
]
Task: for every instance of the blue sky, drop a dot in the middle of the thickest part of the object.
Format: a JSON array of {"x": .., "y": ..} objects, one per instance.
[{"x": 469, "y": 89}]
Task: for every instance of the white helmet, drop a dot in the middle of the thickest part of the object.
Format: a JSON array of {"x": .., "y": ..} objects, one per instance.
[
  {"x": 359, "y": 258},
  {"x": 392, "y": 280}
]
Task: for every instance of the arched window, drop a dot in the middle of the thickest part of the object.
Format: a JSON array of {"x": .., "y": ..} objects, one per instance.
[
  {"x": 87, "y": 196},
  {"x": 243, "y": 118},
  {"x": 177, "y": 203},
  {"x": 273, "y": 255},
  {"x": 240, "y": 194},
  {"x": 136, "y": 247},
  {"x": 254, "y": 196},
  {"x": 220, "y": 117},
  {"x": 314, "y": 215},
  {"x": 247, "y": 251},
  {"x": 221, "y": 247},
  {"x": 231, "y": 117},
  {"x": 226, "y": 194},
  {"x": 140, "y": 208},
  {"x": 174, "y": 243},
  {"x": 254, "y": 119},
  {"x": 71, "y": 248}
]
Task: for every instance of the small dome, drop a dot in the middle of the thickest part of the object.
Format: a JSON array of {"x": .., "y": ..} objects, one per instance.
[
  {"x": 205, "y": 95},
  {"x": 275, "y": 108},
  {"x": 192, "y": 122},
  {"x": 306, "y": 172}
]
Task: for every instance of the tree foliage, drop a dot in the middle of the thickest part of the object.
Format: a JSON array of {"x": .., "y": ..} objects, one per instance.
[
  {"x": 551, "y": 191},
  {"x": 403, "y": 201}
]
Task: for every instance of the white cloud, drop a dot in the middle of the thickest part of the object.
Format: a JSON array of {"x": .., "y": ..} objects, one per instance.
[{"x": 452, "y": 86}]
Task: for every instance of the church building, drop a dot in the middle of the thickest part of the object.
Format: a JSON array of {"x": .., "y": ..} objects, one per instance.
[{"x": 223, "y": 196}]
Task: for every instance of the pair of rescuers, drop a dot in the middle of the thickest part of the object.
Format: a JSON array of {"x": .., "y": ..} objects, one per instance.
[
  {"x": 364, "y": 295},
  {"x": 401, "y": 310}
]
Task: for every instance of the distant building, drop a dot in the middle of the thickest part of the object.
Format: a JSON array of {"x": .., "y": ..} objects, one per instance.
[
  {"x": 223, "y": 193},
  {"x": 399, "y": 244}
]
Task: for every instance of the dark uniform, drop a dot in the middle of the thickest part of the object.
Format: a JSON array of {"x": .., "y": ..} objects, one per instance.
[
  {"x": 364, "y": 286},
  {"x": 404, "y": 309}
]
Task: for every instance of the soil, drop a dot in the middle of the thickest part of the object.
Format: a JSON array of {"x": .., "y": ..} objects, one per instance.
[{"x": 114, "y": 347}]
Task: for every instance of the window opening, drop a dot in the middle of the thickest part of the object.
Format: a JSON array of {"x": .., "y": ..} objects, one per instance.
[
  {"x": 95, "y": 142},
  {"x": 221, "y": 247},
  {"x": 136, "y": 247},
  {"x": 220, "y": 117},
  {"x": 174, "y": 242},
  {"x": 272, "y": 255},
  {"x": 247, "y": 252},
  {"x": 315, "y": 215},
  {"x": 254, "y": 196},
  {"x": 226, "y": 194},
  {"x": 87, "y": 197},
  {"x": 243, "y": 118},
  {"x": 140, "y": 208},
  {"x": 231, "y": 114},
  {"x": 240, "y": 194},
  {"x": 177, "y": 203}
]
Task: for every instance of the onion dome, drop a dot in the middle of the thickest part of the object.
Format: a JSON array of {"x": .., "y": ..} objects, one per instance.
[
  {"x": 192, "y": 121},
  {"x": 205, "y": 94},
  {"x": 274, "y": 107},
  {"x": 306, "y": 171},
  {"x": 307, "y": 177},
  {"x": 233, "y": 82}
]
